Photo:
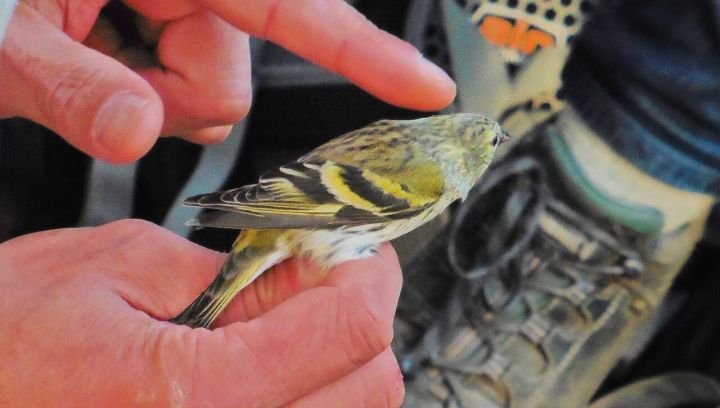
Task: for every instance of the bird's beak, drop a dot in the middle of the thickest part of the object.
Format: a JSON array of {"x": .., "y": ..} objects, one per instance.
[{"x": 504, "y": 137}]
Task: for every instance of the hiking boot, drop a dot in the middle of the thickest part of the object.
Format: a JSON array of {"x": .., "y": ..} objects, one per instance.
[
  {"x": 507, "y": 56},
  {"x": 673, "y": 390},
  {"x": 555, "y": 274}
]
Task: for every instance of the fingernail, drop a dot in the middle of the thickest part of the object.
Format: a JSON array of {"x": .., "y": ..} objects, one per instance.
[{"x": 116, "y": 116}]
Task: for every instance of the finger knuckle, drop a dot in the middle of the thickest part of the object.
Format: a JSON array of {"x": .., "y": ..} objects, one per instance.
[
  {"x": 211, "y": 136},
  {"x": 131, "y": 226},
  {"x": 67, "y": 92},
  {"x": 367, "y": 331},
  {"x": 131, "y": 231},
  {"x": 227, "y": 111}
]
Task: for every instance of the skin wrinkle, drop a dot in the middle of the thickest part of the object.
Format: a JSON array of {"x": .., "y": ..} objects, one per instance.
[
  {"x": 251, "y": 360},
  {"x": 338, "y": 66},
  {"x": 251, "y": 301},
  {"x": 122, "y": 353},
  {"x": 161, "y": 312},
  {"x": 77, "y": 17},
  {"x": 282, "y": 281},
  {"x": 162, "y": 344},
  {"x": 87, "y": 351},
  {"x": 209, "y": 136},
  {"x": 66, "y": 18},
  {"x": 188, "y": 342},
  {"x": 332, "y": 316},
  {"x": 281, "y": 346},
  {"x": 193, "y": 367},
  {"x": 329, "y": 329},
  {"x": 270, "y": 18},
  {"x": 46, "y": 9},
  {"x": 170, "y": 54},
  {"x": 132, "y": 234},
  {"x": 164, "y": 56},
  {"x": 265, "y": 291},
  {"x": 374, "y": 338},
  {"x": 274, "y": 288},
  {"x": 224, "y": 101},
  {"x": 280, "y": 284},
  {"x": 359, "y": 344},
  {"x": 22, "y": 64},
  {"x": 147, "y": 345}
]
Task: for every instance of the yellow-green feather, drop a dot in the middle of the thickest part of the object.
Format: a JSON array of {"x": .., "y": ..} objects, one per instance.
[{"x": 252, "y": 253}]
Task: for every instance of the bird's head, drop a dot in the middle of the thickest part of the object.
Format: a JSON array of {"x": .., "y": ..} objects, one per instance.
[
  {"x": 475, "y": 131},
  {"x": 470, "y": 142}
]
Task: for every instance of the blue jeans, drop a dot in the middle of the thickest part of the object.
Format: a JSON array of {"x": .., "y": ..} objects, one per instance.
[{"x": 645, "y": 75}]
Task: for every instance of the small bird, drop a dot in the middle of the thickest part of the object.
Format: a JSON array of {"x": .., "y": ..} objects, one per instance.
[{"x": 342, "y": 200}]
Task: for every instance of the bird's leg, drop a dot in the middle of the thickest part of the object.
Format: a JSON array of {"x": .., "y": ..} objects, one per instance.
[{"x": 368, "y": 250}]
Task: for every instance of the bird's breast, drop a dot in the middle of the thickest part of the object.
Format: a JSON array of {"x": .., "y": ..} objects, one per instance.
[{"x": 332, "y": 247}]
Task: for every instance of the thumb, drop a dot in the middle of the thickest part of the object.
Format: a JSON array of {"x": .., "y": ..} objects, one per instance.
[{"x": 94, "y": 102}]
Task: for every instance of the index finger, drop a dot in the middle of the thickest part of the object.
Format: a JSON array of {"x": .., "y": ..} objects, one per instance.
[{"x": 334, "y": 35}]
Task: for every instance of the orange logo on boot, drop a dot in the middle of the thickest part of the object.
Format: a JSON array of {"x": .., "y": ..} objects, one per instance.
[{"x": 516, "y": 35}]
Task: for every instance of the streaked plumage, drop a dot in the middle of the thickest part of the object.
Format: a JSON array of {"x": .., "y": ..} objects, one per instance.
[{"x": 343, "y": 199}]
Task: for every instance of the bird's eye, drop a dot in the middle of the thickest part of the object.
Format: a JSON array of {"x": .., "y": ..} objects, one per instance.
[{"x": 496, "y": 141}]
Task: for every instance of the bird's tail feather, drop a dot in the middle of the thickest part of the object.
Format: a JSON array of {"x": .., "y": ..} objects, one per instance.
[{"x": 253, "y": 252}]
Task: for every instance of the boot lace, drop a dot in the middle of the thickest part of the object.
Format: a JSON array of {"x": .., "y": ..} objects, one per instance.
[{"x": 513, "y": 228}]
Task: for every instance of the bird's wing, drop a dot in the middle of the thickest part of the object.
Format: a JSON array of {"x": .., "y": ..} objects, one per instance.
[{"x": 312, "y": 195}]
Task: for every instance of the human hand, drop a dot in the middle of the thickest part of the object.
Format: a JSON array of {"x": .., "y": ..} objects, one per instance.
[
  {"x": 83, "y": 313},
  {"x": 114, "y": 104}
]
